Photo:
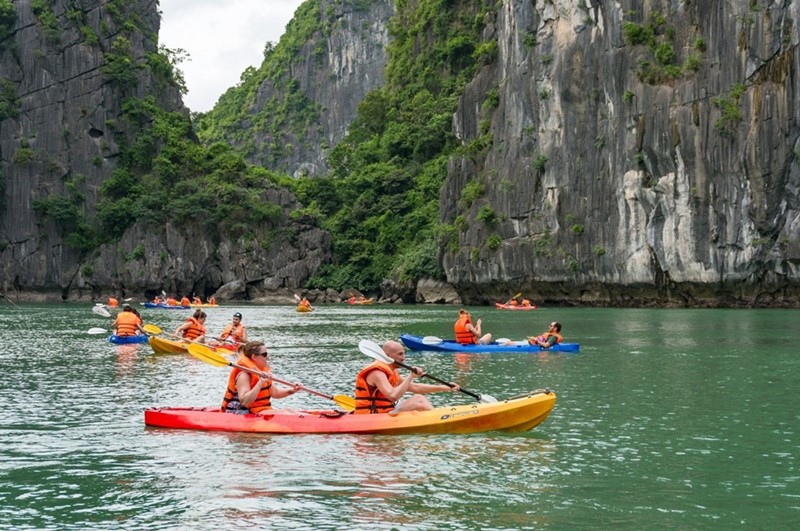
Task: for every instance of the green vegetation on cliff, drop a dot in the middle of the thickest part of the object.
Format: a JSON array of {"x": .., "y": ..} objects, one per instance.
[{"x": 380, "y": 198}]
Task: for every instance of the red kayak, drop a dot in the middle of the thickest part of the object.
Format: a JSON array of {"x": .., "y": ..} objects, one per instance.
[{"x": 519, "y": 413}]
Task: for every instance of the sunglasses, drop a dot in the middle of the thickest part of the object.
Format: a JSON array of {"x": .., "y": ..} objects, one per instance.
[{"x": 265, "y": 354}]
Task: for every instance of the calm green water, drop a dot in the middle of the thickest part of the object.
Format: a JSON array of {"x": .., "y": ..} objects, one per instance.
[{"x": 667, "y": 418}]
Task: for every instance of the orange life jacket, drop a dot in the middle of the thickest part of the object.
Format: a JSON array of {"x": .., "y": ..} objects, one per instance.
[
  {"x": 231, "y": 400},
  {"x": 126, "y": 323},
  {"x": 369, "y": 399},
  {"x": 211, "y": 300},
  {"x": 196, "y": 330},
  {"x": 544, "y": 337},
  {"x": 185, "y": 301},
  {"x": 464, "y": 336},
  {"x": 196, "y": 300},
  {"x": 172, "y": 302},
  {"x": 113, "y": 302},
  {"x": 237, "y": 333}
]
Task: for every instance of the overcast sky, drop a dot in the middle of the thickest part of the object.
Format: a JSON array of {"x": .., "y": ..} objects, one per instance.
[{"x": 223, "y": 37}]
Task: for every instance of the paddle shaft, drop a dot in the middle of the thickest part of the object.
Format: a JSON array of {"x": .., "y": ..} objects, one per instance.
[
  {"x": 259, "y": 373},
  {"x": 435, "y": 379}
]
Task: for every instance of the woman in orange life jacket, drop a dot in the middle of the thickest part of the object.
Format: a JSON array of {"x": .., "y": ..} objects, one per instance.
[
  {"x": 466, "y": 333},
  {"x": 235, "y": 331},
  {"x": 549, "y": 338},
  {"x": 194, "y": 328},
  {"x": 127, "y": 323},
  {"x": 379, "y": 386},
  {"x": 253, "y": 393}
]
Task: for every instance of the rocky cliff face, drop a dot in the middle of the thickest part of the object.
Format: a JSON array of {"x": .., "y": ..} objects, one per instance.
[
  {"x": 334, "y": 69},
  {"x": 639, "y": 153},
  {"x": 66, "y": 69}
]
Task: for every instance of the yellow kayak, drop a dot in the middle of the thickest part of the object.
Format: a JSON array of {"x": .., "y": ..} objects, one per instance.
[
  {"x": 162, "y": 345},
  {"x": 303, "y": 309}
]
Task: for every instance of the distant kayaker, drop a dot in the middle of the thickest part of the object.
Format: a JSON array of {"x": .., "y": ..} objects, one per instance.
[
  {"x": 184, "y": 301},
  {"x": 549, "y": 338},
  {"x": 379, "y": 386},
  {"x": 253, "y": 393},
  {"x": 305, "y": 304},
  {"x": 127, "y": 323},
  {"x": 196, "y": 300},
  {"x": 235, "y": 331},
  {"x": 112, "y": 302},
  {"x": 467, "y": 333},
  {"x": 194, "y": 329}
]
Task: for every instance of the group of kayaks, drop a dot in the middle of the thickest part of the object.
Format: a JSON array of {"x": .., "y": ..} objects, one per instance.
[{"x": 517, "y": 413}]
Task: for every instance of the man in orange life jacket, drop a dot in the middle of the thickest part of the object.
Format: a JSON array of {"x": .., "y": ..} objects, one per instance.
[
  {"x": 549, "y": 338},
  {"x": 235, "y": 332},
  {"x": 467, "y": 333},
  {"x": 253, "y": 393},
  {"x": 379, "y": 386}
]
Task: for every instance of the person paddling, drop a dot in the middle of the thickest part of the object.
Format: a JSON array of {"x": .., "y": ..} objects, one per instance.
[
  {"x": 253, "y": 393},
  {"x": 234, "y": 331},
  {"x": 194, "y": 329},
  {"x": 127, "y": 323},
  {"x": 379, "y": 386}
]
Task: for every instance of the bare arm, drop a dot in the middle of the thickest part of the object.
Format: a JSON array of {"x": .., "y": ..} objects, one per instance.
[
  {"x": 379, "y": 380},
  {"x": 425, "y": 389},
  {"x": 247, "y": 394}
]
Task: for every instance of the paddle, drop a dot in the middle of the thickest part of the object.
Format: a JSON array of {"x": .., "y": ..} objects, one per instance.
[
  {"x": 433, "y": 340},
  {"x": 152, "y": 329},
  {"x": 374, "y": 351},
  {"x": 95, "y": 331},
  {"x": 512, "y": 298},
  {"x": 207, "y": 355},
  {"x": 101, "y": 310}
]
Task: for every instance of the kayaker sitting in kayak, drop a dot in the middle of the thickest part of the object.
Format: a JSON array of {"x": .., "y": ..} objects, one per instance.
[
  {"x": 235, "y": 332},
  {"x": 194, "y": 329},
  {"x": 253, "y": 393},
  {"x": 549, "y": 338},
  {"x": 466, "y": 333},
  {"x": 379, "y": 387},
  {"x": 127, "y": 323}
]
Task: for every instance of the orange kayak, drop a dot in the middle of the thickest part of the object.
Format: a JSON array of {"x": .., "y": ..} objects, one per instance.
[
  {"x": 501, "y": 306},
  {"x": 519, "y": 413}
]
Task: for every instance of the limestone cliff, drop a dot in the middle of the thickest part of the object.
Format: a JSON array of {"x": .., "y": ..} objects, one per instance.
[
  {"x": 67, "y": 70},
  {"x": 632, "y": 153},
  {"x": 309, "y": 87}
]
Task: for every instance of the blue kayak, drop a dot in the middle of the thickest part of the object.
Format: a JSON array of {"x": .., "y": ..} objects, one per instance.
[
  {"x": 127, "y": 340},
  {"x": 448, "y": 345},
  {"x": 165, "y": 306}
]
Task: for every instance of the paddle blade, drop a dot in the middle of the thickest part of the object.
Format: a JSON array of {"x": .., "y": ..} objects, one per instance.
[
  {"x": 101, "y": 310},
  {"x": 152, "y": 329},
  {"x": 431, "y": 340},
  {"x": 373, "y": 350},
  {"x": 204, "y": 353},
  {"x": 346, "y": 402},
  {"x": 95, "y": 331},
  {"x": 487, "y": 399}
]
